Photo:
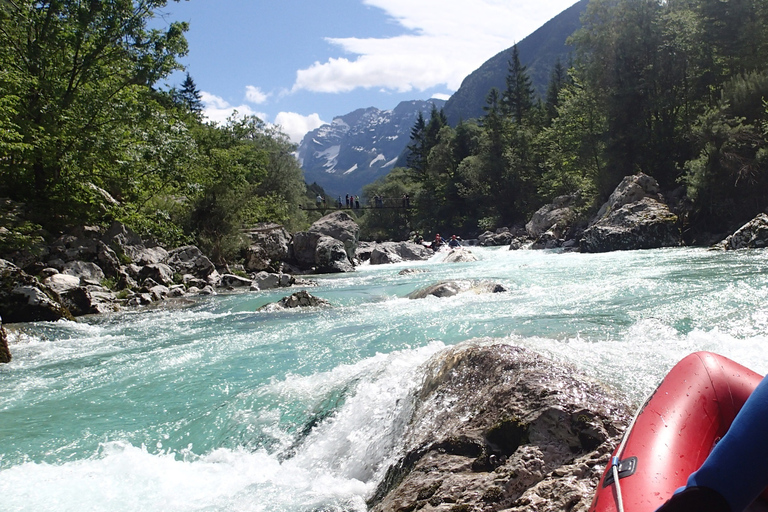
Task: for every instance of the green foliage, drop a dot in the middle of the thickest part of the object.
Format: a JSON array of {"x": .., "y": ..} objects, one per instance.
[
  {"x": 77, "y": 90},
  {"x": 389, "y": 223}
]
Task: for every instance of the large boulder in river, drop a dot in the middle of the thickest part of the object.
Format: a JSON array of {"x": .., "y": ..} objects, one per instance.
[
  {"x": 645, "y": 224},
  {"x": 752, "y": 235},
  {"x": 323, "y": 254},
  {"x": 498, "y": 427},
  {"x": 455, "y": 287},
  {"x": 270, "y": 245},
  {"x": 502, "y": 236},
  {"x": 634, "y": 217},
  {"x": 459, "y": 255},
  {"x": 556, "y": 217},
  {"x": 395, "y": 252},
  {"x": 5, "y": 352},
  {"x": 341, "y": 226},
  {"x": 331, "y": 256},
  {"x": 25, "y": 299}
]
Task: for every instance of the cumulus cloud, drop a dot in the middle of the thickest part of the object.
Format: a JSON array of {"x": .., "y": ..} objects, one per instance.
[
  {"x": 255, "y": 95},
  {"x": 218, "y": 110},
  {"x": 448, "y": 40},
  {"x": 296, "y": 125}
]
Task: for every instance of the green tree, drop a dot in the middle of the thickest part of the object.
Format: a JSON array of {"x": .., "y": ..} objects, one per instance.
[
  {"x": 189, "y": 96},
  {"x": 518, "y": 98},
  {"x": 83, "y": 76}
]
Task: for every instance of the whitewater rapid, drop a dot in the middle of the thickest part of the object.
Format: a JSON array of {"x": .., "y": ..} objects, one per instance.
[{"x": 213, "y": 406}]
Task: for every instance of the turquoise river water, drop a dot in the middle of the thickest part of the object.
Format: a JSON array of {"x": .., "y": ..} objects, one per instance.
[{"x": 213, "y": 406}]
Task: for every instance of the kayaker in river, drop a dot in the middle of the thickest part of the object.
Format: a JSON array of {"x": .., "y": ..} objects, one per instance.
[{"x": 736, "y": 471}]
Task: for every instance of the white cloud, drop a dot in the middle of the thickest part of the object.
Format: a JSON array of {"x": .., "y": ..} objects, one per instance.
[
  {"x": 449, "y": 39},
  {"x": 217, "y": 109},
  {"x": 296, "y": 125},
  {"x": 255, "y": 95},
  {"x": 440, "y": 96}
]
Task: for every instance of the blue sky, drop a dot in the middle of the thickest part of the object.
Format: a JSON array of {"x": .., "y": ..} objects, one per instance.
[{"x": 300, "y": 63}]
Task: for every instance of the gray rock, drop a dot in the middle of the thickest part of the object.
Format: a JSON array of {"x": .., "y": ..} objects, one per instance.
[
  {"x": 304, "y": 246},
  {"x": 498, "y": 427},
  {"x": 24, "y": 299},
  {"x": 88, "y": 300},
  {"x": 86, "y": 271},
  {"x": 208, "y": 290},
  {"x": 148, "y": 255},
  {"x": 631, "y": 190},
  {"x": 159, "y": 292},
  {"x": 190, "y": 260},
  {"x": 300, "y": 299},
  {"x": 158, "y": 272},
  {"x": 459, "y": 255},
  {"x": 502, "y": 236},
  {"x": 556, "y": 217},
  {"x": 62, "y": 283},
  {"x": 409, "y": 271},
  {"x": 331, "y": 256},
  {"x": 269, "y": 281},
  {"x": 454, "y": 287},
  {"x": 395, "y": 252},
  {"x": 645, "y": 224},
  {"x": 5, "y": 352},
  {"x": 341, "y": 226},
  {"x": 752, "y": 235},
  {"x": 234, "y": 281},
  {"x": 269, "y": 245}
]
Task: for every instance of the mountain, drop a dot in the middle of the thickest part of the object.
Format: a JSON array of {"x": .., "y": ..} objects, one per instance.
[
  {"x": 539, "y": 52},
  {"x": 358, "y": 148}
]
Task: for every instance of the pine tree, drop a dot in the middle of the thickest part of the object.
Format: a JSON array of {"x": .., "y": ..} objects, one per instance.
[
  {"x": 190, "y": 96},
  {"x": 517, "y": 100}
]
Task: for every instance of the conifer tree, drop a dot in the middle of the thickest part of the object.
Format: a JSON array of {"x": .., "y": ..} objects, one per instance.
[
  {"x": 190, "y": 96},
  {"x": 518, "y": 97}
]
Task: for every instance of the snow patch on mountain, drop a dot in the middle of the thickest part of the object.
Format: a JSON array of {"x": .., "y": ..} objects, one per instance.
[{"x": 360, "y": 147}]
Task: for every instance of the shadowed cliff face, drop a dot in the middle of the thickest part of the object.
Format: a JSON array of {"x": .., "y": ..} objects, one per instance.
[{"x": 500, "y": 427}]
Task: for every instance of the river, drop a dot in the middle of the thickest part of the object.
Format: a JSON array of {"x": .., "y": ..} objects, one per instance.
[{"x": 213, "y": 406}]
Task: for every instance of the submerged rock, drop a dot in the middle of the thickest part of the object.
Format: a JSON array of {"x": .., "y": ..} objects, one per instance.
[
  {"x": 454, "y": 287},
  {"x": 459, "y": 255},
  {"x": 752, "y": 235},
  {"x": 498, "y": 427},
  {"x": 300, "y": 299}
]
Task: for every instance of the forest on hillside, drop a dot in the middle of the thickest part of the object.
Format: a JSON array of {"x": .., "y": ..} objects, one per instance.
[{"x": 675, "y": 89}]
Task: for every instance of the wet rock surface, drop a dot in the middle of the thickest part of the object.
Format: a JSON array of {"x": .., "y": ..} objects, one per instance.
[
  {"x": 752, "y": 235},
  {"x": 459, "y": 255},
  {"x": 498, "y": 427},
  {"x": 5, "y": 353},
  {"x": 300, "y": 299},
  {"x": 395, "y": 252},
  {"x": 454, "y": 287}
]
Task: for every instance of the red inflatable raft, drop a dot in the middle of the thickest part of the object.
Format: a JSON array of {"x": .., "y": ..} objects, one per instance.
[{"x": 675, "y": 431}]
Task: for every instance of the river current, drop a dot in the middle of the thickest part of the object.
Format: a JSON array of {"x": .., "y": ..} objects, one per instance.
[{"x": 213, "y": 406}]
